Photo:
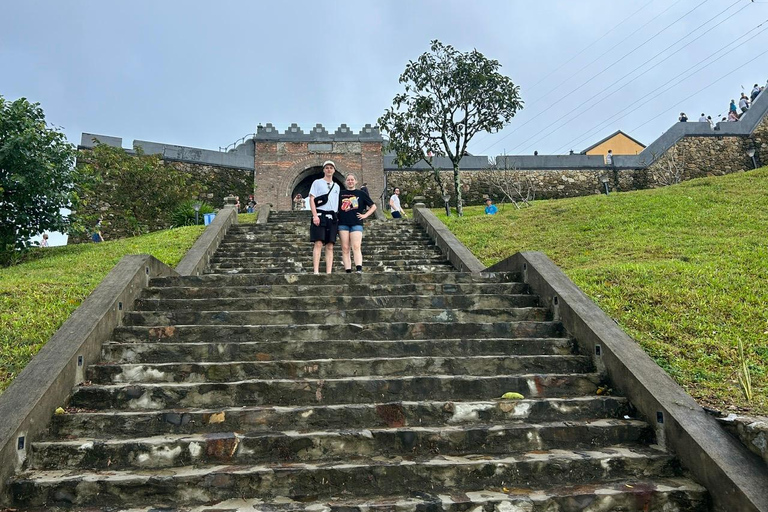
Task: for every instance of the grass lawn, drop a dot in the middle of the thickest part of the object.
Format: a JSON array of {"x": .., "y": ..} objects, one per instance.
[
  {"x": 683, "y": 269},
  {"x": 37, "y": 296}
]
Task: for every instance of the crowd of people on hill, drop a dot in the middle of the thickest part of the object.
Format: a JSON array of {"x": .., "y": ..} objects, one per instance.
[{"x": 735, "y": 109}]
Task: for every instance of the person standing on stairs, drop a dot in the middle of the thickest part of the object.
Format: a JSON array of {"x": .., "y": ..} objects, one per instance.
[
  {"x": 324, "y": 203},
  {"x": 352, "y": 212}
]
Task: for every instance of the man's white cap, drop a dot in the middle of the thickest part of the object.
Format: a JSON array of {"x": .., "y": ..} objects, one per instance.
[{"x": 327, "y": 162}]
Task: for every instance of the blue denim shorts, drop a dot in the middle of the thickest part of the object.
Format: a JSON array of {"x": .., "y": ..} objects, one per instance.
[{"x": 356, "y": 227}]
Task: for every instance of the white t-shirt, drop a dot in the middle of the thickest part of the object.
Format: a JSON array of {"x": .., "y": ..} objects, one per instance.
[
  {"x": 703, "y": 119},
  {"x": 320, "y": 188},
  {"x": 394, "y": 201}
]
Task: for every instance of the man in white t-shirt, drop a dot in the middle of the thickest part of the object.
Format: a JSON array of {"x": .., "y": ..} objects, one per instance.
[
  {"x": 394, "y": 204},
  {"x": 325, "y": 223}
]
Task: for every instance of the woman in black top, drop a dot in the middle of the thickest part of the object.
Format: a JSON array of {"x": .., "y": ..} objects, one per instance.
[{"x": 354, "y": 207}]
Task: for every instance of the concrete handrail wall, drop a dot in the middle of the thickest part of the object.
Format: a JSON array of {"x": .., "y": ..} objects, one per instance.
[
  {"x": 199, "y": 255},
  {"x": 263, "y": 216},
  {"x": 461, "y": 257},
  {"x": 735, "y": 478},
  {"x": 46, "y": 383}
]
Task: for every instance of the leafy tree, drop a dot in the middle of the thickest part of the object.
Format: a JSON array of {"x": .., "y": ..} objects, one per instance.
[
  {"x": 449, "y": 98},
  {"x": 132, "y": 194},
  {"x": 36, "y": 163}
]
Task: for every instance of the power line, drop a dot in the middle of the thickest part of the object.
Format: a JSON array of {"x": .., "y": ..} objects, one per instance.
[
  {"x": 703, "y": 88},
  {"x": 593, "y": 43},
  {"x": 536, "y": 100},
  {"x": 601, "y": 72},
  {"x": 662, "y": 88},
  {"x": 550, "y": 129}
]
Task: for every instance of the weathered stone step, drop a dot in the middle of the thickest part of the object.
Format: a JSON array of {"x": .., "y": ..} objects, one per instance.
[
  {"x": 218, "y": 281},
  {"x": 322, "y": 332},
  {"x": 329, "y": 290},
  {"x": 358, "y": 477},
  {"x": 646, "y": 495},
  {"x": 306, "y": 267},
  {"x": 331, "y": 316},
  {"x": 332, "y": 445},
  {"x": 223, "y": 351},
  {"x": 128, "y": 423},
  {"x": 331, "y": 391},
  {"x": 348, "y": 302},
  {"x": 335, "y": 368},
  {"x": 397, "y": 238},
  {"x": 305, "y": 260},
  {"x": 257, "y": 254}
]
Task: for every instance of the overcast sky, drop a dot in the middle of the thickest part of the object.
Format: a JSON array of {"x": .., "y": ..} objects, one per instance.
[{"x": 204, "y": 74}]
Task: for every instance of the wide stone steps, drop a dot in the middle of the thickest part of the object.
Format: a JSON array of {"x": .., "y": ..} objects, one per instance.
[
  {"x": 331, "y": 316},
  {"x": 225, "y": 280},
  {"x": 648, "y": 495},
  {"x": 332, "y": 391},
  {"x": 223, "y": 351},
  {"x": 260, "y": 386},
  {"x": 305, "y": 266},
  {"x": 123, "y": 424},
  {"x": 355, "y": 477},
  {"x": 347, "y": 302},
  {"x": 389, "y": 330},
  {"x": 329, "y": 291},
  {"x": 382, "y": 257},
  {"x": 332, "y": 445},
  {"x": 334, "y": 368}
]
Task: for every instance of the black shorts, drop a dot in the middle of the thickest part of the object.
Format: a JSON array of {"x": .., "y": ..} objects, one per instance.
[{"x": 327, "y": 230}]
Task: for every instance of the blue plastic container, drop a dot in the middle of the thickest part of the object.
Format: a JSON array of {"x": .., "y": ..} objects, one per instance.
[{"x": 208, "y": 218}]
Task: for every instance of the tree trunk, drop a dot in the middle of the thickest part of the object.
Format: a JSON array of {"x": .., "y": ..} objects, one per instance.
[{"x": 457, "y": 187}]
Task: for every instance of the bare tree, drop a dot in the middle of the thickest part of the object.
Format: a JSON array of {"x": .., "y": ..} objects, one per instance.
[
  {"x": 516, "y": 186},
  {"x": 670, "y": 168}
]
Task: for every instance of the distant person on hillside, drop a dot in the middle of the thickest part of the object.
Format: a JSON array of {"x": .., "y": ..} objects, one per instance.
[
  {"x": 354, "y": 207},
  {"x": 535, "y": 153},
  {"x": 703, "y": 118},
  {"x": 97, "y": 236},
  {"x": 394, "y": 204},
  {"x": 683, "y": 118},
  {"x": 44, "y": 241},
  {"x": 711, "y": 123},
  {"x": 298, "y": 202},
  {"x": 732, "y": 108},
  {"x": 609, "y": 157},
  {"x": 732, "y": 117},
  {"x": 490, "y": 208},
  {"x": 755, "y": 92},
  {"x": 743, "y": 103}
]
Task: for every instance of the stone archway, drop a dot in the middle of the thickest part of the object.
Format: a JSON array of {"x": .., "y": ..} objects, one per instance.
[{"x": 303, "y": 181}]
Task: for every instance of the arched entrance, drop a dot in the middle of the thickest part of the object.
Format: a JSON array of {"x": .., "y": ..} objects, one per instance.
[{"x": 303, "y": 181}]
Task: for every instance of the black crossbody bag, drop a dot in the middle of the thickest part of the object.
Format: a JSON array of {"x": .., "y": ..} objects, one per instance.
[{"x": 321, "y": 200}]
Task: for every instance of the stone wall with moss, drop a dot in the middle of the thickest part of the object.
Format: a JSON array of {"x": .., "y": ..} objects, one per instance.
[
  {"x": 689, "y": 158},
  {"x": 219, "y": 181}
]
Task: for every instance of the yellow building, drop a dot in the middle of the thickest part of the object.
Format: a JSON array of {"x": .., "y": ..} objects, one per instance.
[{"x": 619, "y": 143}]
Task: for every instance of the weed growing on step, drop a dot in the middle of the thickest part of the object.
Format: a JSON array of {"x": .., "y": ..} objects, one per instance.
[
  {"x": 37, "y": 296},
  {"x": 684, "y": 270}
]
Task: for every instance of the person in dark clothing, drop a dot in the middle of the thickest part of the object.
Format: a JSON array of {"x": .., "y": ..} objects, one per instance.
[{"x": 354, "y": 207}]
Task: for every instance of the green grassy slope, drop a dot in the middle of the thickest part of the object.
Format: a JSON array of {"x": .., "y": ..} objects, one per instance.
[
  {"x": 37, "y": 296},
  {"x": 683, "y": 269}
]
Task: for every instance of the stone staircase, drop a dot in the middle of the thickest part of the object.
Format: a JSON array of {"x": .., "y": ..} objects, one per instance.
[{"x": 260, "y": 386}]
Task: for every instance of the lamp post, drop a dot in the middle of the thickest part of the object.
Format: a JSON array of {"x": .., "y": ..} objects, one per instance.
[
  {"x": 604, "y": 180},
  {"x": 751, "y": 154},
  {"x": 447, "y": 201},
  {"x": 196, "y": 206}
]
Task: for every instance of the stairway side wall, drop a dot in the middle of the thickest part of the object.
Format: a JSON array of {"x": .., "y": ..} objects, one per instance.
[{"x": 735, "y": 478}]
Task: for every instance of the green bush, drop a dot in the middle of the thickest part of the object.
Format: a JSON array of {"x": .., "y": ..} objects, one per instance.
[{"x": 184, "y": 213}]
